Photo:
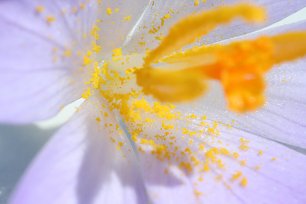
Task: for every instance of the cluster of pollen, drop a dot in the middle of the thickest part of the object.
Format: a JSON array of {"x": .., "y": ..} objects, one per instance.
[
  {"x": 48, "y": 18},
  {"x": 190, "y": 143}
]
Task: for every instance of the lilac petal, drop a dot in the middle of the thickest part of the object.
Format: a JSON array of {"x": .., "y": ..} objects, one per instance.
[
  {"x": 162, "y": 187},
  {"x": 81, "y": 165},
  {"x": 282, "y": 117},
  {"x": 279, "y": 181},
  {"x": 35, "y": 79},
  {"x": 151, "y": 20},
  {"x": 114, "y": 28},
  {"x": 277, "y": 175}
]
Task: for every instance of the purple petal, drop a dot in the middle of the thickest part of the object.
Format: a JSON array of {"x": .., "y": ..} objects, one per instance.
[
  {"x": 81, "y": 165},
  {"x": 277, "y": 175},
  {"x": 162, "y": 187},
  {"x": 35, "y": 79}
]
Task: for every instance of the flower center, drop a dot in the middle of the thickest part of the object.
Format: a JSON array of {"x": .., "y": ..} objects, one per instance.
[{"x": 172, "y": 76}]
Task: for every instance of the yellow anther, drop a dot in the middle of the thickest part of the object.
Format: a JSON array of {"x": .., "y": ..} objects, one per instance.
[
  {"x": 170, "y": 86},
  {"x": 240, "y": 67},
  {"x": 289, "y": 46},
  {"x": 194, "y": 26}
]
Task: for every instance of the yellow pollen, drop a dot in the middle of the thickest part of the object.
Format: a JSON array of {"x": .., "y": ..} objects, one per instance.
[
  {"x": 67, "y": 53},
  {"x": 244, "y": 182},
  {"x": 39, "y": 9},
  {"x": 86, "y": 59},
  {"x": 95, "y": 32},
  {"x": 82, "y": 6},
  {"x": 172, "y": 76},
  {"x": 236, "y": 175},
  {"x": 50, "y": 19},
  {"x": 109, "y": 11},
  {"x": 86, "y": 94},
  {"x": 117, "y": 54},
  {"x": 196, "y": 2},
  {"x": 96, "y": 48},
  {"x": 127, "y": 18}
]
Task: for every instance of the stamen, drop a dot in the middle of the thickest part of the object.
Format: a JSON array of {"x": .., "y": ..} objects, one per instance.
[
  {"x": 171, "y": 86},
  {"x": 239, "y": 67},
  {"x": 289, "y": 46},
  {"x": 194, "y": 26}
]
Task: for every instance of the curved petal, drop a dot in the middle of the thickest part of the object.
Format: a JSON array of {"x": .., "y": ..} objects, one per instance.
[
  {"x": 160, "y": 15},
  {"x": 268, "y": 172},
  {"x": 82, "y": 165},
  {"x": 35, "y": 77}
]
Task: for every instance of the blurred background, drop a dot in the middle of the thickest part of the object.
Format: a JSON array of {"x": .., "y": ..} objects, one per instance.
[{"x": 20, "y": 144}]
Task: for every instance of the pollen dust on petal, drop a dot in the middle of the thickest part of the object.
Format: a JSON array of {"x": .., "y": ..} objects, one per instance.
[{"x": 191, "y": 143}]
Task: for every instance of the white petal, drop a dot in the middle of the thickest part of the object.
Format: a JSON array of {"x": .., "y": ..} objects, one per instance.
[{"x": 152, "y": 17}]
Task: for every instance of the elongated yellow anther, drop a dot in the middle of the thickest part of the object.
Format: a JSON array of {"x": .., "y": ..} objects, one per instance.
[
  {"x": 194, "y": 26},
  {"x": 171, "y": 86},
  {"x": 240, "y": 67},
  {"x": 289, "y": 46}
]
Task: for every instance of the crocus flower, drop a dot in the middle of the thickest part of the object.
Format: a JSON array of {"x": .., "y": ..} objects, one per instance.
[{"x": 127, "y": 143}]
